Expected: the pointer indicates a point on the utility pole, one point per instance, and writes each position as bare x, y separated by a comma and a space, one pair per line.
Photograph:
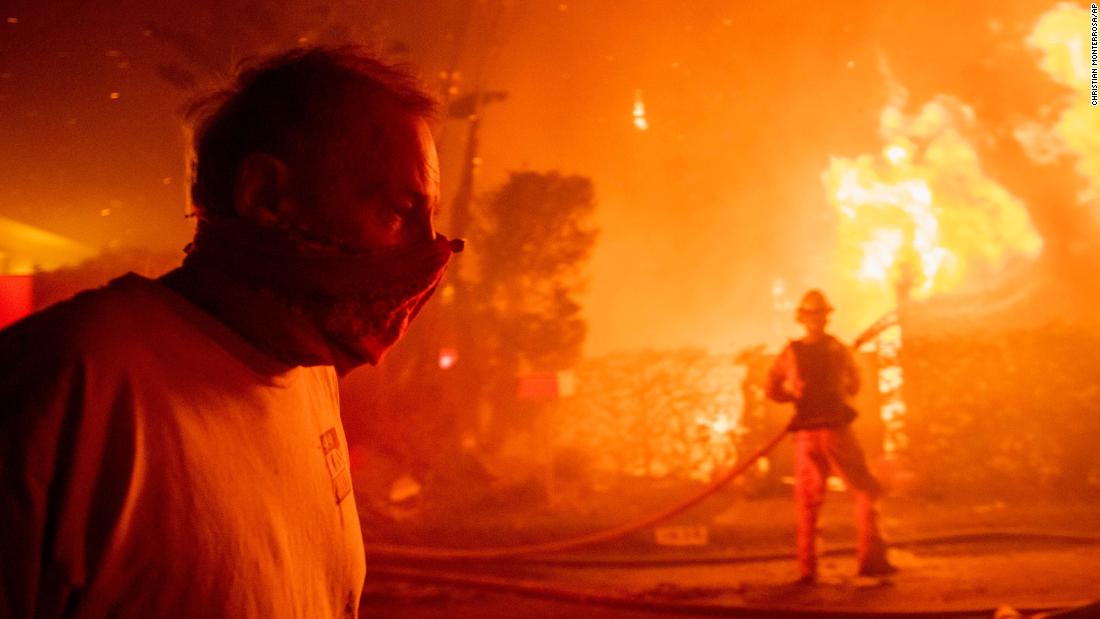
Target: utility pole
465, 383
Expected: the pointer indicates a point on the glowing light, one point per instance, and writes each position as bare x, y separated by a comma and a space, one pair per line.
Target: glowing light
896, 154
114, 96
720, 424
781, 302
447, 294
763, 465
640, 121
403, 489
448, 357
879, 253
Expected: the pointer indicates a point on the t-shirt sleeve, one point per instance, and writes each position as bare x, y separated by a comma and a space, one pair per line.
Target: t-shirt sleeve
41, 390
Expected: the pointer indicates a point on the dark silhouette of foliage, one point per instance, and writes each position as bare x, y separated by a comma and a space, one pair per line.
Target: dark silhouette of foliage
532, 242
516, 302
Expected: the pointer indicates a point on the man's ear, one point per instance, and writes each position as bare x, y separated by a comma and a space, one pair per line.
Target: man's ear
262, 189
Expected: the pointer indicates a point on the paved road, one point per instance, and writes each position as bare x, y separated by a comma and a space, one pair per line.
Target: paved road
1024, 574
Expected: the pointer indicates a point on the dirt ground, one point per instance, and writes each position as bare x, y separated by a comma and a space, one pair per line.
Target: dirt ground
953, 557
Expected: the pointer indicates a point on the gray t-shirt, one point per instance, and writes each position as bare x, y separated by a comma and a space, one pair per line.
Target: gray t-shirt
155, 464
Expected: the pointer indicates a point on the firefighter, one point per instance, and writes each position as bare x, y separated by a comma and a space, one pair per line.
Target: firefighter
818, 374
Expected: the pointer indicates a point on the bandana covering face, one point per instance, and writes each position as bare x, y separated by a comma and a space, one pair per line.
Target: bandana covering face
361, 301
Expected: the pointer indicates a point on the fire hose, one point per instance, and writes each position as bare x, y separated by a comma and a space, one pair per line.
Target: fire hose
386, 551
517, 586
539, 589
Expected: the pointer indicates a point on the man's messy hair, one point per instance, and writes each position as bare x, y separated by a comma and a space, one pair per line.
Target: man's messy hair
283, 104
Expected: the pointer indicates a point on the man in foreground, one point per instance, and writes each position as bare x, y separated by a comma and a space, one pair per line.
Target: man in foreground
173, 447
817, 373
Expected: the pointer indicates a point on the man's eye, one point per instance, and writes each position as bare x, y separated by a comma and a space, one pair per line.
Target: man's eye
400, 213
393, 216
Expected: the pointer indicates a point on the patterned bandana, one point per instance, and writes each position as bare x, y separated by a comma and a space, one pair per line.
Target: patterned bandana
362, 301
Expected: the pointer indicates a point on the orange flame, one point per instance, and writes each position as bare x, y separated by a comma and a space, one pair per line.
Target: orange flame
921, 210
640, 122
1062, 37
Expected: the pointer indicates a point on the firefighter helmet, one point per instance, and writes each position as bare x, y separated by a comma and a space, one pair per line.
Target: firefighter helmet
814, 302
